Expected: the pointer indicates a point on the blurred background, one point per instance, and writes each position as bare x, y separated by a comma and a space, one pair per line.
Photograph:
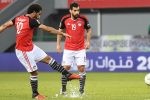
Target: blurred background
120, 33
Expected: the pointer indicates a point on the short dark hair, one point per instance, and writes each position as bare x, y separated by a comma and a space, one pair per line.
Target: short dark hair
34, 8
74, 4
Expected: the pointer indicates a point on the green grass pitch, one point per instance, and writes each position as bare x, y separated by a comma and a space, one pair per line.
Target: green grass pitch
99, 86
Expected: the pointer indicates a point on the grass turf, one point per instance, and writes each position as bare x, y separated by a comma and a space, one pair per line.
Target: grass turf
99, 86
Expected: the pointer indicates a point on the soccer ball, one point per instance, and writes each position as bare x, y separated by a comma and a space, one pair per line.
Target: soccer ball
147, 79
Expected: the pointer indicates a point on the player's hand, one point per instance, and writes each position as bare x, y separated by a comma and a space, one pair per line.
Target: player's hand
59, 50
66, 35
87, 45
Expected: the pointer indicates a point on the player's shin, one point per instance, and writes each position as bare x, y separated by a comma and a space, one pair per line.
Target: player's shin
34, 85
58, 67
64, 83
82, 82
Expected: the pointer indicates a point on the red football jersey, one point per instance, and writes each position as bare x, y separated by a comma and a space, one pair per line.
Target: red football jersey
75, 28
25, 28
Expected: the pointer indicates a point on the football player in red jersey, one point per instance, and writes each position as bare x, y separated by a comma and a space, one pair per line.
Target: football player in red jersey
27, 52
75, 47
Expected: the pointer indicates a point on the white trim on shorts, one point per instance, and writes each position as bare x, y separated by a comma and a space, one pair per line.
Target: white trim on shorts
29, 58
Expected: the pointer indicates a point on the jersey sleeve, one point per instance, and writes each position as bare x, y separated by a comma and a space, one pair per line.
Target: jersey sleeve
87, 24
13, 20
62, 24
34, 23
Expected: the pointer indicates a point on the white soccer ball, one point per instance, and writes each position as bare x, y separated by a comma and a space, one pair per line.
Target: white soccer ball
147, 79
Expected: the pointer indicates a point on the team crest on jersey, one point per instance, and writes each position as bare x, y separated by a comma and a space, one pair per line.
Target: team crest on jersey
79, 23
68, 24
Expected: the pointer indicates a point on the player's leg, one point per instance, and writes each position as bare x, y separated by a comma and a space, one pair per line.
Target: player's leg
64, 81
34, 83
27, 60
40, 55
82, 74
56, 66
80, 59
34, 86
66, 62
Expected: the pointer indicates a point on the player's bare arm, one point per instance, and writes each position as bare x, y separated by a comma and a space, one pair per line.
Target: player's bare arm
53, 30
59, 37
6, 25
88, 38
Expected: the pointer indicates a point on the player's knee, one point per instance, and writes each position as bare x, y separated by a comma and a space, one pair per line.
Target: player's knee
67, 67
81, 69
46, 59
34, 73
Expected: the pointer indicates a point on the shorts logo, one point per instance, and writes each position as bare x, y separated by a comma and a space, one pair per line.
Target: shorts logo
34, 67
